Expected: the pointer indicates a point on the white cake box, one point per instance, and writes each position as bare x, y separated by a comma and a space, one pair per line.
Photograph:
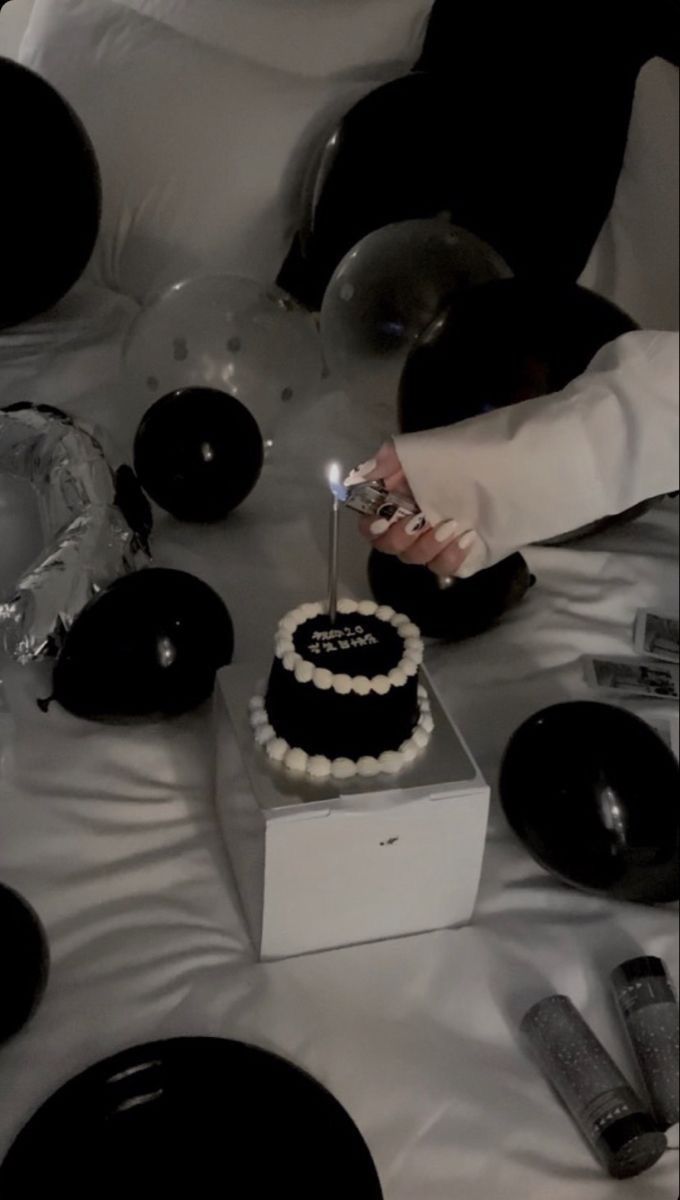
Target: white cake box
324, 865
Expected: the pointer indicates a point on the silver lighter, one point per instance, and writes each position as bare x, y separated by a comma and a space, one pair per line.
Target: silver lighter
374, 500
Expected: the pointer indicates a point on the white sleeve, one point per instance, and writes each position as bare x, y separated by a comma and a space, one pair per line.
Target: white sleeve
541, 468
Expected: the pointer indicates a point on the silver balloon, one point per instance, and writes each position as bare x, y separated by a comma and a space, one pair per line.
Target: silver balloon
85, 541
387, 291
21, 534
236, 335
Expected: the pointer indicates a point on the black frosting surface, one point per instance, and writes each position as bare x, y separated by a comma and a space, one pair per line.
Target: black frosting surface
324, 722
351, 645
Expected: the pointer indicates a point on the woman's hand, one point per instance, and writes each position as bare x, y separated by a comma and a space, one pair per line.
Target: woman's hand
448, 549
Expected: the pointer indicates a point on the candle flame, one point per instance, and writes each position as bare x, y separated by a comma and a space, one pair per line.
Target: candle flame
334, 474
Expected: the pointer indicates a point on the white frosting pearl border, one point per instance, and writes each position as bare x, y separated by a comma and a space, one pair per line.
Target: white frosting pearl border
307, 672
316, 767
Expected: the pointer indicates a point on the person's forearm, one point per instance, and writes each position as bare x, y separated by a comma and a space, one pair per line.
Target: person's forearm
538, 469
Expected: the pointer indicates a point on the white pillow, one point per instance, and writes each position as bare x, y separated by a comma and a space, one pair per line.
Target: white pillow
204, 117
635, 260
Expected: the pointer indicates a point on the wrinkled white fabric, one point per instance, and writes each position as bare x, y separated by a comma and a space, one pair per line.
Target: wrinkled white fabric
541, 468
302, 37
207, 117
635, 259
112, 834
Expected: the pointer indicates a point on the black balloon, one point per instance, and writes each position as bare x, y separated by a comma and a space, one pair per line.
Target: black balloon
198, 453
502, 342
192, 1117
50, 199
592, 791
466, 608
25, 962
385, 163
150, 644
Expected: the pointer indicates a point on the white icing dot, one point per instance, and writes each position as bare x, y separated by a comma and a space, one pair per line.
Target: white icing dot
323, 679
400, 619
422, 693
426, 722
296, 760
361, 685
319, 767
409, 667
258, 717
289, 623
368, 766
413, 643
304, 672
408, 751
277, 749
391, 762
415, 656
421, 738
343, 768
385, 613
264, 734
291, 660
342, 684
254, 703
347, 606
381, 685
367, 608
284, 646
311, 610
409, 630
397, 677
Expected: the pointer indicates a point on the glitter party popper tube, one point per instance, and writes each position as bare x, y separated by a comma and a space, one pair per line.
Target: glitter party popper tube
600, 1100
649, 1010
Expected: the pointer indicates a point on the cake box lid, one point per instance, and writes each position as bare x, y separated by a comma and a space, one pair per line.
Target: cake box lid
444, 768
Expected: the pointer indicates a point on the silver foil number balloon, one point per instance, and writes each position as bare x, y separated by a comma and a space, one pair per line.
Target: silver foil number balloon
387, 291
86, 540
227, 333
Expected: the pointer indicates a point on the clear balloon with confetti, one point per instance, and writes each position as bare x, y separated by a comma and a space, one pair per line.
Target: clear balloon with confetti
236, 335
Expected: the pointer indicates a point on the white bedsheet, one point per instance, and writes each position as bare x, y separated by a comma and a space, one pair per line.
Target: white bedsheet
112, 835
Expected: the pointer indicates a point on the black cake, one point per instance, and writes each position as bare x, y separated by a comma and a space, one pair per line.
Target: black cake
343, 697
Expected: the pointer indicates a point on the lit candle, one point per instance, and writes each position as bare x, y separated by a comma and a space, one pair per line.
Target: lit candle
335, 484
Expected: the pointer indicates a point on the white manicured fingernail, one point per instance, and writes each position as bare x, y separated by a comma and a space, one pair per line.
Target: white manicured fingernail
446, 531
475, 559
367, 468
361, 474
468, 539
416, 525
379, 527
